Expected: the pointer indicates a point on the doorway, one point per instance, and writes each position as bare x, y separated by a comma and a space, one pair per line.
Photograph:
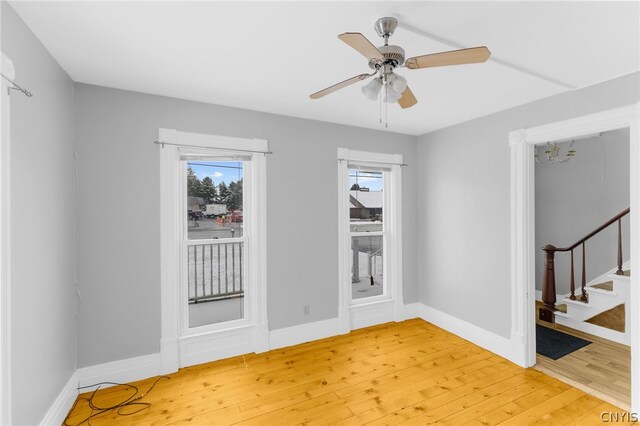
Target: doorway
581, 219
523, 225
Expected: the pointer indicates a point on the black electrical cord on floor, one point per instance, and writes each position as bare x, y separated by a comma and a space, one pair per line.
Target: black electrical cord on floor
121, 407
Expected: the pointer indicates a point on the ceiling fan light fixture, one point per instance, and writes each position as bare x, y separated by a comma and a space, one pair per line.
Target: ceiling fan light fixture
398, 83
390, 95
371, 89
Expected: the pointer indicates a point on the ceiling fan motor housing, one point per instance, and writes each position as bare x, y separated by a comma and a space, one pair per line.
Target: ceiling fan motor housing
392, 55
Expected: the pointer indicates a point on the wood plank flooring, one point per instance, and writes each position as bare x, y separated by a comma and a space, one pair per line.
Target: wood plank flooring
410, 372
602, 368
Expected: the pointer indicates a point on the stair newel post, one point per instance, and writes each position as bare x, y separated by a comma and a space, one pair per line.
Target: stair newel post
573, 280
584, 298
619, 271
548, 285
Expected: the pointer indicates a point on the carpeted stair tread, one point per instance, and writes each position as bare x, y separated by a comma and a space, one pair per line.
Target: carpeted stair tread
608, 286
562, 308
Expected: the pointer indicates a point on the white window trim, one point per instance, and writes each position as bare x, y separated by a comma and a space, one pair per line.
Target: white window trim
178, 348
390, 307
523, 348
5, 247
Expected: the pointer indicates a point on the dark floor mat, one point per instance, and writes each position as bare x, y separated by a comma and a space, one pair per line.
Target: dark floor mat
555, 344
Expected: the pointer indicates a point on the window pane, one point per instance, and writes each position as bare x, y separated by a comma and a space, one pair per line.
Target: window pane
216, 282
366, 204
365, 200
215, 271
366, 270
214, 199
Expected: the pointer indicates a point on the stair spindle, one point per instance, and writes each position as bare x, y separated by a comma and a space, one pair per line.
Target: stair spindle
620, 271
584, 275
573, 280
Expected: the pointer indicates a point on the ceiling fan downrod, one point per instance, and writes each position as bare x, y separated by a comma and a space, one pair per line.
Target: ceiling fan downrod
393, 55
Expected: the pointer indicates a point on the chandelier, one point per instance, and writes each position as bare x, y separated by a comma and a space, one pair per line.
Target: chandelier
552, 154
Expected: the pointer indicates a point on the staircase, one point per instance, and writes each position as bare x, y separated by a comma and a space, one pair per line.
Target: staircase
603, 293
597, 296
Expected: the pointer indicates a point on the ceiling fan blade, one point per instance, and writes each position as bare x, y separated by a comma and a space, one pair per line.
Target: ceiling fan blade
454, 57
362, 45
407, 100
339, 86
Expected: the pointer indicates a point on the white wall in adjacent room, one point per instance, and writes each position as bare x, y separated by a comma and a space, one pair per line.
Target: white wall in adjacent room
574, 198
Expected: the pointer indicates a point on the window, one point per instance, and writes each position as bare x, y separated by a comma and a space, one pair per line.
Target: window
370, 242
215, 243
367, 232
213, 247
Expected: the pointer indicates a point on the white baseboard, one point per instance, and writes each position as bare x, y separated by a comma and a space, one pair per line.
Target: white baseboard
303, 333
123, 371
481, 337
63, 403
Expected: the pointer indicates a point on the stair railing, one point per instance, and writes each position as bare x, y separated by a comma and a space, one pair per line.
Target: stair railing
549, 279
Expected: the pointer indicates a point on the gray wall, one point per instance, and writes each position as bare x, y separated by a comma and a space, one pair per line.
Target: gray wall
43, 256
464, 203
119, 197
574, 198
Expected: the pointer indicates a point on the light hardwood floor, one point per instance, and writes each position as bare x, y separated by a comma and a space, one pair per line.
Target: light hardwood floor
411, 372
602, 368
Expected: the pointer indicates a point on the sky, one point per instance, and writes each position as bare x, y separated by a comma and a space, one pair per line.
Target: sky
220, 171
371, 180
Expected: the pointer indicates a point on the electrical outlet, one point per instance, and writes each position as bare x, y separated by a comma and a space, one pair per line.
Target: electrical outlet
306, 309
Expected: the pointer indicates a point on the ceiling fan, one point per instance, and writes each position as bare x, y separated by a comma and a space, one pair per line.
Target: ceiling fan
385, 59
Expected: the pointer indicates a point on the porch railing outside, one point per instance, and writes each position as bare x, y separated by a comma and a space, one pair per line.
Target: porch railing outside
370, 247
215, 269
375, 263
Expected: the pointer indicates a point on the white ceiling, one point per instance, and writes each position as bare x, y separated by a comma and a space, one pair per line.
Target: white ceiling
269, 56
